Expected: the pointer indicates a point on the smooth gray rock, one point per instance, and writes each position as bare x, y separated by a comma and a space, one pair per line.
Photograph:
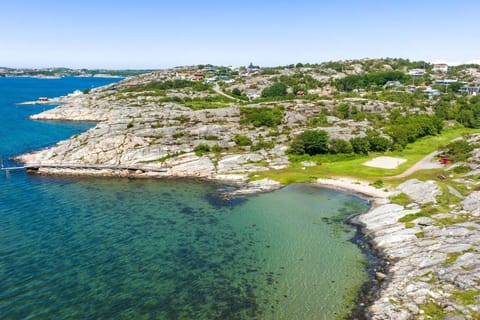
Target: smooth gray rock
420, 191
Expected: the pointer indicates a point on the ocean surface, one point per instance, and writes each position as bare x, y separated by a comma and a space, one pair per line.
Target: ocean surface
98, 248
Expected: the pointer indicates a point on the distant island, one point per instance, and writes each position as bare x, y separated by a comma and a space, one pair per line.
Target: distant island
404, 133
55, 73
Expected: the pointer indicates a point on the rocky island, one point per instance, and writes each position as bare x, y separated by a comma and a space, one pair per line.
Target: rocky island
262, 128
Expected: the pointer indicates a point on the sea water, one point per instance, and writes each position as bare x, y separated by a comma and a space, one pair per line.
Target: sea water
101, 248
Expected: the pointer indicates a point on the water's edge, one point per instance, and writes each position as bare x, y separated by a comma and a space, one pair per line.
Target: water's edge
376, 261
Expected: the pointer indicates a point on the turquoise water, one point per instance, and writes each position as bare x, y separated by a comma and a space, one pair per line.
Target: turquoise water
84, 248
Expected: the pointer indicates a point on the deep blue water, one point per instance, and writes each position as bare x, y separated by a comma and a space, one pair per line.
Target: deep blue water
90, 248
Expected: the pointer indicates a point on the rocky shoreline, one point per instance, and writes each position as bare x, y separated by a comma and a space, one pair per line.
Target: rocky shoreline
430, 247
405, 266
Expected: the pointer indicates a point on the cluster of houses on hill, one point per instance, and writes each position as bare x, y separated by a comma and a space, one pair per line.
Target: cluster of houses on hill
438, 69
211, 74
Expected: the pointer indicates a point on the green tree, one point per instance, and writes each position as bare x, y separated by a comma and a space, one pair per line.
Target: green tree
236, 92
340, 146
459, 150
378, 144
277, 89
360, 145
312, 141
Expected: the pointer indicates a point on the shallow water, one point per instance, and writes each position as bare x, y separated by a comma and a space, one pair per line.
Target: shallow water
94, 248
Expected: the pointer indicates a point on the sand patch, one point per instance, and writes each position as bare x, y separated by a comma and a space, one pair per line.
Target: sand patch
385, 162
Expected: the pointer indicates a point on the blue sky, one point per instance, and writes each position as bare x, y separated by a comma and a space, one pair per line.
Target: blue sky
158, 34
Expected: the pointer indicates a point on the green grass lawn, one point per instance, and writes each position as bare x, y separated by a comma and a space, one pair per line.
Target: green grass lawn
334, 166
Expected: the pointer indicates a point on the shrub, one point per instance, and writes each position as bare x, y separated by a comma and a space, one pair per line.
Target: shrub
263, 116
216, 148
267, 145
340, 146
360, 145
201, 149
378, 144
297, 147
236, 92
377, 184
409, 129
277, 89
242, 140
459, 150
342, 110
318, 121
461, 169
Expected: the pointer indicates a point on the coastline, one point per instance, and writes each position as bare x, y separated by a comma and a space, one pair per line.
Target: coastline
411, 273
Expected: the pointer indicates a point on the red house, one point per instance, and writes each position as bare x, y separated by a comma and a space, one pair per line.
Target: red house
197, 76
445, 161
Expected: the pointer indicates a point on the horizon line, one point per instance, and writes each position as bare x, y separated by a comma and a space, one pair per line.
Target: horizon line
437, 61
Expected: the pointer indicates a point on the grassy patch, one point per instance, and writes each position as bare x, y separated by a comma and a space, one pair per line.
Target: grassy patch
289, 175
433, 310
377, 184
409, 225
452, 257
420, 234
401, 199
466, 297
432, 279
427, 212
353, 166
450, 221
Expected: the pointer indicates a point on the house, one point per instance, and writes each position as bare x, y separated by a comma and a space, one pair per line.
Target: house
440, 67
182, 75
244, 73
411, 89
431, 92
393, 84
417, 72
252, 67
445, 82
445, 161
211, 80
252, 95
300, 93
211, 69
470, 90
197, 76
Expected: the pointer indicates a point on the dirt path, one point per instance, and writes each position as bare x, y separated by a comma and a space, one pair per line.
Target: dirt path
425, 163
217, 89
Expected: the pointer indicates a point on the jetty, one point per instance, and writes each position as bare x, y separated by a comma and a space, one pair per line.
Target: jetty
75, 166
